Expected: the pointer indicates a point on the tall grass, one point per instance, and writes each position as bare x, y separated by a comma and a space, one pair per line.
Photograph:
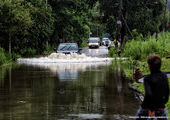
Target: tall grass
140, 49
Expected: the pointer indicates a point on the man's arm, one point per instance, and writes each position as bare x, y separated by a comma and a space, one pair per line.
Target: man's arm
137, 75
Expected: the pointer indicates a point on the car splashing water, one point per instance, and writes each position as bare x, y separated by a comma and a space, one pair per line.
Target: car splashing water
65, 87
65, 58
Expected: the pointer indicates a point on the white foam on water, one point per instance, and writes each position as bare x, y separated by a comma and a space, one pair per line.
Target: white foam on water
97, 116
64, 58
66, 66
87, 116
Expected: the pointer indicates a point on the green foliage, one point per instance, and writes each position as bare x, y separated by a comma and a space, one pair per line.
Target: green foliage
71, 20
2, 56
144, 16
136, 35
25, 23
138, 50
48, 50
43, 25
34, 24
14, 23
113, 52
7, 57
28, 52
84, 43
15, 56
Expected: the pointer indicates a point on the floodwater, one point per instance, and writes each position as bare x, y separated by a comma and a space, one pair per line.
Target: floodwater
65, 91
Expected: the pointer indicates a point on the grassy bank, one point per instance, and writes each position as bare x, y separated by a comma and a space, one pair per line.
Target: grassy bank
140, 48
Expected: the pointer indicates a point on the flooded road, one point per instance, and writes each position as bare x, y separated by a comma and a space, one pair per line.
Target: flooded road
66, 87
64, 92
102, 51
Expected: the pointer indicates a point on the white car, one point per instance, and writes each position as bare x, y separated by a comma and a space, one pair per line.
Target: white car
111, 44
94, 42
106, 41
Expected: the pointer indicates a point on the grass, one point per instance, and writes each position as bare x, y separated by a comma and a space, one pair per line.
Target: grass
139, 49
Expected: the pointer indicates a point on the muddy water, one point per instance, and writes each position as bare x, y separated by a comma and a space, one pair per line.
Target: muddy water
64, 92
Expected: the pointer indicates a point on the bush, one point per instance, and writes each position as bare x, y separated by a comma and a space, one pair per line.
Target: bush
28, 52
48, 49
138, 49
84, 43
113, 52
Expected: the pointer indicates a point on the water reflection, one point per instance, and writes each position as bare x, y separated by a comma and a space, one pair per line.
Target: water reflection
37, 91
68, 71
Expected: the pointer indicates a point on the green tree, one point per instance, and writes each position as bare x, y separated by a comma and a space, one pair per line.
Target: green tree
43, 25
14, 23
71, 20
144, 16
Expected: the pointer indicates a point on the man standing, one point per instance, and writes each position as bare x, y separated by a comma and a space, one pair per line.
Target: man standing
156, 91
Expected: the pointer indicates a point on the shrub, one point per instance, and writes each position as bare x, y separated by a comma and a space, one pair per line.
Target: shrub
113, 52
28, 52
48, 49
84, 43
138, 49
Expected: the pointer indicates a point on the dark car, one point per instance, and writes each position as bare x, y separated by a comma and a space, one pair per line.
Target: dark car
68, 48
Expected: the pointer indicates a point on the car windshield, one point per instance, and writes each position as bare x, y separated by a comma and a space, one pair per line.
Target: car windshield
105, 39
93, 41
67, 47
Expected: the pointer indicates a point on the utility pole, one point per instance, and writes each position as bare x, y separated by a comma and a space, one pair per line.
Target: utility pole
164, 24
46, 1
119, 24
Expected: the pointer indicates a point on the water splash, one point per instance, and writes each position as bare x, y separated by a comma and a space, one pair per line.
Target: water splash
64, 58
88, 116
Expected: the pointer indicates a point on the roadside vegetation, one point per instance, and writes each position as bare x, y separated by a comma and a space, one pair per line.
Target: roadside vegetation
35, 27
6, 58
140, 48
137, 51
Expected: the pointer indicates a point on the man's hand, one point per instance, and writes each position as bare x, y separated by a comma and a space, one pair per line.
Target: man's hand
137, 75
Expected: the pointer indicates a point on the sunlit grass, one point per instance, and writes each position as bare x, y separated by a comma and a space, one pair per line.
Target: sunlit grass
139, 49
